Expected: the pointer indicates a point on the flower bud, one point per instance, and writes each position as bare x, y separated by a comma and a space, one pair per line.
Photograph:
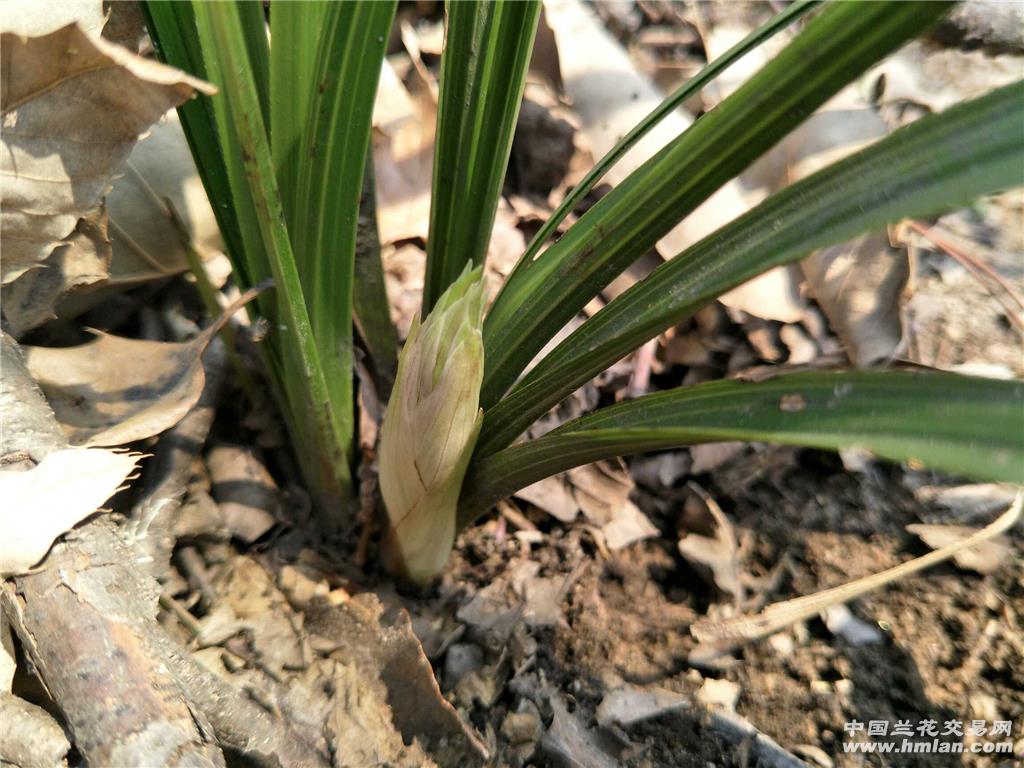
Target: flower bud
430, 427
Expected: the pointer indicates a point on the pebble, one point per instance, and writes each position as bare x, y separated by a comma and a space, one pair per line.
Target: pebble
519, 727
461, 659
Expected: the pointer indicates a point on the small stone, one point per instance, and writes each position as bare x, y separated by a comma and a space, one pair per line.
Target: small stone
722, 694
821, 688
461, 659
782, 643
814, 755
844, 688
520, 727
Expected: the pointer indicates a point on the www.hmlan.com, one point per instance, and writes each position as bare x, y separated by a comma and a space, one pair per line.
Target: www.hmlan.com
935, 746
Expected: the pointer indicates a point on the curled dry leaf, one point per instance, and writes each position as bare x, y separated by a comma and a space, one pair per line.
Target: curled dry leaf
43, 502
146, 243
983, 558
30, 18
114, 390
73, 106
83, 260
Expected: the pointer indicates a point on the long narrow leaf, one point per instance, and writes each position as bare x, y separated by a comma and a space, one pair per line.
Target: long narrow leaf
838, 45
936, 163
295, 28
172, 29
254, 32
330, 162
672, 102
954, 423
483, 70
319, 430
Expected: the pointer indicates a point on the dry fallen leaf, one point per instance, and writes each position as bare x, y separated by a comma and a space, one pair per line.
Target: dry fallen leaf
632, 704
551, 495
571, 743
83, 260
718, 555
403, 156
43, 502
382, 647
114, 390
244, 490
73, 106
984, 558
146, 243
30, 18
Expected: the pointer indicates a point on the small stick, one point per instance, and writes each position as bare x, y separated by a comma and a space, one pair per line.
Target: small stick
723, 635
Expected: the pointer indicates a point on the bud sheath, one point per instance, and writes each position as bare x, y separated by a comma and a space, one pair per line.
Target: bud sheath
430, 427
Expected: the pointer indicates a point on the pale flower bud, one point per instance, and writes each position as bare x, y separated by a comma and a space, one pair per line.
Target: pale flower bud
430, 428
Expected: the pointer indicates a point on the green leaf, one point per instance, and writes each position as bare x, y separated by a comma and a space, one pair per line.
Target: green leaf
172, 28
295, 28
254, 31
674, 100
331, 156
939, 162
953, 423
322, 434
483, 70
836, 47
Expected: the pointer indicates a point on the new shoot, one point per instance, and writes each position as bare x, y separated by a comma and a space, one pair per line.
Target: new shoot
430, 429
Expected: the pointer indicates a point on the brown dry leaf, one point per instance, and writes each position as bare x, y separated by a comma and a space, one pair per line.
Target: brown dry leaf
7, 660
403, 279
359, 726
602, 491
967, 501
73, 107
984, 558
774, 295
244, 490
611, 96
403, 156
146, 243
253, 597
43, 502
938, 78
30, 18
631, 704
859, 286
709, 456
570, 742
115, 390
552, 495
83, 260
385, 648
719, 555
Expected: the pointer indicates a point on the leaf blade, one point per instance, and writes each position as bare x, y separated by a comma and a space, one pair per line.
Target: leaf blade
691, 87
835, 47
483, 71
323, 435
936, 163
953, 423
